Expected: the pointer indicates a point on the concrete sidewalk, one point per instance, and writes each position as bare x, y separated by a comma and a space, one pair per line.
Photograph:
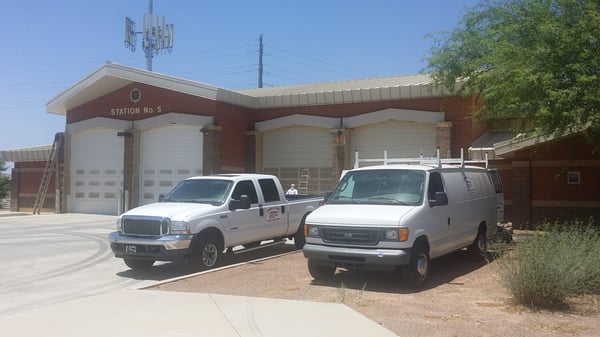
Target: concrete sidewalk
168, 314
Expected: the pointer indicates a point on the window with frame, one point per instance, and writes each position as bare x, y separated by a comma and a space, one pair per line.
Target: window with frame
245, 187
269, 190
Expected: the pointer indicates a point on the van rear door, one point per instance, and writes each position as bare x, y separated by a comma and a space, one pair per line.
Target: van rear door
495, 177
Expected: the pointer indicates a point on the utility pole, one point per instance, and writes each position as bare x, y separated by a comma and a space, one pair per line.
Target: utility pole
260, 62
156, 36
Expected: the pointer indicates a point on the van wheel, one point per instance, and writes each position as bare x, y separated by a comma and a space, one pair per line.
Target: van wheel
478, 248
137, 264
207, 254
417, 270
320, 272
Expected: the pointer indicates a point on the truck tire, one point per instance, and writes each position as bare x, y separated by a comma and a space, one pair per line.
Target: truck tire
478, 248
137, 264
320, 272
208, 253
416, 272
299, 239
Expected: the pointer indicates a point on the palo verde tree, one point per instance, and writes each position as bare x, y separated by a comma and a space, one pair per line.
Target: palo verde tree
535, 63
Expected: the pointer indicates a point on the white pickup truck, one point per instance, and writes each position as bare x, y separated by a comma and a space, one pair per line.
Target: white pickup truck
204, 216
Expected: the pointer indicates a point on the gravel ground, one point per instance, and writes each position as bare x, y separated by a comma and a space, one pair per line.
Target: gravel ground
463, 298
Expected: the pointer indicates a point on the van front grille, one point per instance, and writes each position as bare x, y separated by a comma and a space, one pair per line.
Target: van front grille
356, 236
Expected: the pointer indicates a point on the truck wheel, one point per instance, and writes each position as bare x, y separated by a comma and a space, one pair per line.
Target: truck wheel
478, 248
207, 254
319, 272
299, 239
137, 264
417, 270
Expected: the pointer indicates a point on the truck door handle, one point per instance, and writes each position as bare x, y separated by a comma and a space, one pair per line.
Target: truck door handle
261, 211
448, 221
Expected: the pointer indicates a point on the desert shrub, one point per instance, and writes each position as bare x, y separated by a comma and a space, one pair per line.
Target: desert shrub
558, 262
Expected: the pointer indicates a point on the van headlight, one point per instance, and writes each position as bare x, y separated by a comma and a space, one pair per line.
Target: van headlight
396, 234
179, 227
312, 231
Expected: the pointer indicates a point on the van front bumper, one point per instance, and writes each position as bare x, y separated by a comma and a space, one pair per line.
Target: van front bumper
357, 258
161, 248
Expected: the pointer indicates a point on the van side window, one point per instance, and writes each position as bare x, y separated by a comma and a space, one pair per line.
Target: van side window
496, 180
245, 187
435, 185
269, 190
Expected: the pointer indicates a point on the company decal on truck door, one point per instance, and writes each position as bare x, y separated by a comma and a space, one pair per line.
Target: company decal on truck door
273, 214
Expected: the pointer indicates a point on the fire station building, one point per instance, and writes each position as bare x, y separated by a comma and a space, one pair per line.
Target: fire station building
131, 135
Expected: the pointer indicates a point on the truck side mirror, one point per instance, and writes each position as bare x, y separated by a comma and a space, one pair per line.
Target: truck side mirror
327, 196
161, 197
441, 199
243, 203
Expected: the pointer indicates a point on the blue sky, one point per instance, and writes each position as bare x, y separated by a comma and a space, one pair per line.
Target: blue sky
50, 45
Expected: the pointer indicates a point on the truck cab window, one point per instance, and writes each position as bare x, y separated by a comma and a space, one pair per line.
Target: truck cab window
245, 187
435, 185
269, 190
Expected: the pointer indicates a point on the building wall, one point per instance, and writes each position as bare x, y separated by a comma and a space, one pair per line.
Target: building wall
457, 110
539, 189
25, 184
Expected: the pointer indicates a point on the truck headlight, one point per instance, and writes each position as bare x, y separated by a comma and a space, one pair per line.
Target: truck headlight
119, 224
179, 227
397, 234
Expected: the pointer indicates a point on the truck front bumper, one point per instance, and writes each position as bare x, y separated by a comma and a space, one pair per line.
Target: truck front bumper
356, 258
158, 248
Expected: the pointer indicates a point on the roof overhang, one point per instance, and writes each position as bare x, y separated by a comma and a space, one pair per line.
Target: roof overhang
110, 77
36, 153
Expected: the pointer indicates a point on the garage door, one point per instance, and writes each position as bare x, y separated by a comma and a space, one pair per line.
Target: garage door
96, 171
400, 139
168, 155
293, 152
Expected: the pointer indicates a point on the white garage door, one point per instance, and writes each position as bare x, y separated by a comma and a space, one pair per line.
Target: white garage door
168, 155
96, 171
400, 139
293, 152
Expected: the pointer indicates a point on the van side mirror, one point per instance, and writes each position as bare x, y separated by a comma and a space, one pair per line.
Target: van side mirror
243, 203
441, 199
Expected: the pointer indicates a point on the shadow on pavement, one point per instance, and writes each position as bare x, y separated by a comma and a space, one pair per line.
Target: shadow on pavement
443, 270
164, 270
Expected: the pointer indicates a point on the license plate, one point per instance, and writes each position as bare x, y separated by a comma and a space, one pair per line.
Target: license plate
130, 249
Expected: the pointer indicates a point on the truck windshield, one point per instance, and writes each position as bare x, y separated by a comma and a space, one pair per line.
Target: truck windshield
207, 191
380, 187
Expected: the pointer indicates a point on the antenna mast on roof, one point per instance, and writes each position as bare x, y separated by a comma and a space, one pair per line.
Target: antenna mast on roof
157, 36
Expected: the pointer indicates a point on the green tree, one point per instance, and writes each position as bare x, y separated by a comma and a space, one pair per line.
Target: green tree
532, 63
4, 181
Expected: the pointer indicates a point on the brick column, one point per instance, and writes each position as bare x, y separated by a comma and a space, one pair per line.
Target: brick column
211, 153
251, 151
443, 138
521, 194
128, 159
339, 151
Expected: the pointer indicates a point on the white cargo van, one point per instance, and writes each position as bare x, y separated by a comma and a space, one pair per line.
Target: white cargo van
402, 215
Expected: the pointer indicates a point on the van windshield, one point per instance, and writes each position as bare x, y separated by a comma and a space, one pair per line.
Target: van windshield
380, 187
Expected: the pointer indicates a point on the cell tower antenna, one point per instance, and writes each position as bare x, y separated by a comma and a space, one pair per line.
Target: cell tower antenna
157, 36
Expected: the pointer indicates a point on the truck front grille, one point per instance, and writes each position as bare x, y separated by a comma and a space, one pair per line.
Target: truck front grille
357, 236
148, 226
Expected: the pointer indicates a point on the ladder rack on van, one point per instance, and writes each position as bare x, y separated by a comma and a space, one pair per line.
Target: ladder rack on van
437, 161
